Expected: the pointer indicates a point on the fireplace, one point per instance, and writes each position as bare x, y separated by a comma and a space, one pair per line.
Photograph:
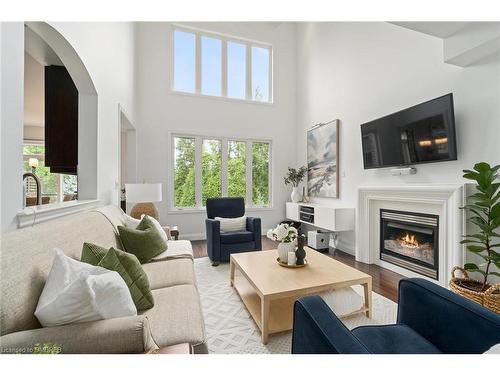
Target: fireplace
410, 240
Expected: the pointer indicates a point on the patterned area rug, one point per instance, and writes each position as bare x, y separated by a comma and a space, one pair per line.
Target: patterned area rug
231, 330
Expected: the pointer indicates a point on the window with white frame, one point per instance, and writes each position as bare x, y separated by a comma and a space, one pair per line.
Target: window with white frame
220, 65
211, 167
55, 187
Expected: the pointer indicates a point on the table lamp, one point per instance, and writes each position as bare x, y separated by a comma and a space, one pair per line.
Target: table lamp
144, 195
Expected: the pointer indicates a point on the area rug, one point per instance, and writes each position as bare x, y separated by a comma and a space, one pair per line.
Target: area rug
231, 330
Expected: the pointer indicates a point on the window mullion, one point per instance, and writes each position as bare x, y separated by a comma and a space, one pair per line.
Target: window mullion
198, 64
198, 171
224, 68
270, 76
248, 93
248, 174
224, 165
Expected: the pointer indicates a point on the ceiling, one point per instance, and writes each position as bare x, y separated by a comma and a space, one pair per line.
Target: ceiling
438, 29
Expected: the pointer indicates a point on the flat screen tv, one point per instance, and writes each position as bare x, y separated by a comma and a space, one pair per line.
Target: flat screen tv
424, 133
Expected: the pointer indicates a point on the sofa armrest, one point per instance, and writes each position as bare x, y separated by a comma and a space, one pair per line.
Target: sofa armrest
451, 322
213, 239
316, 330
253, 225
129, 334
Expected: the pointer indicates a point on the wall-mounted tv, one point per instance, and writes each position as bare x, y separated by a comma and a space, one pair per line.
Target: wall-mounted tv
424, 133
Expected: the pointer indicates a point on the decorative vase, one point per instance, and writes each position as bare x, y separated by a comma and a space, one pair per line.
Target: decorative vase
300, 253
295, 195
283, 249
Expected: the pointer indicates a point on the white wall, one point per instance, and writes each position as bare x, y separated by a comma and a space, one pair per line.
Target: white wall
34, 95
107, 51
358, 72
161, 111
12, 72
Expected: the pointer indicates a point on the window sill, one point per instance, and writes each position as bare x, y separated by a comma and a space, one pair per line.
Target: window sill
222, 98
177, 211
38, 214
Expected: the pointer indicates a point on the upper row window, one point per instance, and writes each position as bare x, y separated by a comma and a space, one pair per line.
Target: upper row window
222, 66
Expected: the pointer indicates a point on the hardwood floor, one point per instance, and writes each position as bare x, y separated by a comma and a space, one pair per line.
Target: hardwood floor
385, 282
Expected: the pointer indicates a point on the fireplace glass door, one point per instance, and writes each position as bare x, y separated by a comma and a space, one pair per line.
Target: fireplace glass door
410, 240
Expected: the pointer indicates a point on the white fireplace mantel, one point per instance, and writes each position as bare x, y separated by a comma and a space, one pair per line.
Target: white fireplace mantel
443, 200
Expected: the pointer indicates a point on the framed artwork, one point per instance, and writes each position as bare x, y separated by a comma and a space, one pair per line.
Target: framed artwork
322, 160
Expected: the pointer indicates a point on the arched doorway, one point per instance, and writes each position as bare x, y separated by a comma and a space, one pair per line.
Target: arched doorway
87, 106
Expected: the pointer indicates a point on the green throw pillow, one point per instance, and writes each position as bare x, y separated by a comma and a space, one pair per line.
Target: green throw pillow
145, 242
92, 254
129, 268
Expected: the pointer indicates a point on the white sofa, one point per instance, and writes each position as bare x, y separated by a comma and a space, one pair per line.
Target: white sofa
26, 258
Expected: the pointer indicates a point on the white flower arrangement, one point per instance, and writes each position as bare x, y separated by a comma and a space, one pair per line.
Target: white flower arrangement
283, 233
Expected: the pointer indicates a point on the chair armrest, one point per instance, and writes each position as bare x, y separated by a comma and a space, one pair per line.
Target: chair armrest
129, 334
253, 225
451, 322
316, 330
213, 239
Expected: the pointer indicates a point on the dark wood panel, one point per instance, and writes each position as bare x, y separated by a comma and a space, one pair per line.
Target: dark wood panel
61, 121
385, 282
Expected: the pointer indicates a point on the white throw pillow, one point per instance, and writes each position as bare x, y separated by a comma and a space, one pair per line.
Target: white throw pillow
131, 222
343, 301
237, 224
495, 349
79, 292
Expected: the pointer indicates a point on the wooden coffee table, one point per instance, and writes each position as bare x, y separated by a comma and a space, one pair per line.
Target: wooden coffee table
269, 290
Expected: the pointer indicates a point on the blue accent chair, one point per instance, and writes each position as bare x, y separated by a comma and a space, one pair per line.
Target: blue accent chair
431, 319
221, 245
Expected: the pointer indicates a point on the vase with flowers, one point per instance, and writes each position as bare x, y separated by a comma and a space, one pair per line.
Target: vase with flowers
294, 177
287, 235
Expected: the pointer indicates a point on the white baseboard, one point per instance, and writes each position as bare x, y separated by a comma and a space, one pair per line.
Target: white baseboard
346, 246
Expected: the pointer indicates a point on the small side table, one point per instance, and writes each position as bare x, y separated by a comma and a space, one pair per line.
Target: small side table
174, 232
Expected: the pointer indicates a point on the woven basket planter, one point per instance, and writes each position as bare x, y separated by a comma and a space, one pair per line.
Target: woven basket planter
490, 298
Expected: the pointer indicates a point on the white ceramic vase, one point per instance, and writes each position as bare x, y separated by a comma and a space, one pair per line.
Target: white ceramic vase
283, 249
295, 195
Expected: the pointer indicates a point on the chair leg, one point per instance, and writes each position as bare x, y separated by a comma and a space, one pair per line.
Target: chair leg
214, 263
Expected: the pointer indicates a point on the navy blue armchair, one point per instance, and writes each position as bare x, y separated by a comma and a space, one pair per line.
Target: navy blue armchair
431, 319
221, 245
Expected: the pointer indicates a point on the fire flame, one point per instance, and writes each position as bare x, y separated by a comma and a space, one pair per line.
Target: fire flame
409, 241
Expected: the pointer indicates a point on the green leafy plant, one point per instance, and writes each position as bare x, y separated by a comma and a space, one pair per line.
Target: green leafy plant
484, 209
295, 176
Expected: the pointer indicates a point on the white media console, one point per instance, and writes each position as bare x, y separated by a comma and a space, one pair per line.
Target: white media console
335, 219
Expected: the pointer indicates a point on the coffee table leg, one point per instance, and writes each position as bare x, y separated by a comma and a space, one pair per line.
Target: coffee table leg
265, 319
231, 272
368, 298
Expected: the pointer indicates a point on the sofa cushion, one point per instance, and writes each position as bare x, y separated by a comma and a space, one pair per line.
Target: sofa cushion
176, 317
92, 254
176, 249
128, 267
236, 237
236, 224
144, 244
393, 339
169, 273
148, 222
79, 292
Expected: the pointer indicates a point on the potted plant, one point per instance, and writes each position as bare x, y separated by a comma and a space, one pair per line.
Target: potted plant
287, 235
294, 177
484, 213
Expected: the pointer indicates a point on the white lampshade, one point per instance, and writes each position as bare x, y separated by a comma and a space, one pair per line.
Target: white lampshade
33, 162
142, 193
